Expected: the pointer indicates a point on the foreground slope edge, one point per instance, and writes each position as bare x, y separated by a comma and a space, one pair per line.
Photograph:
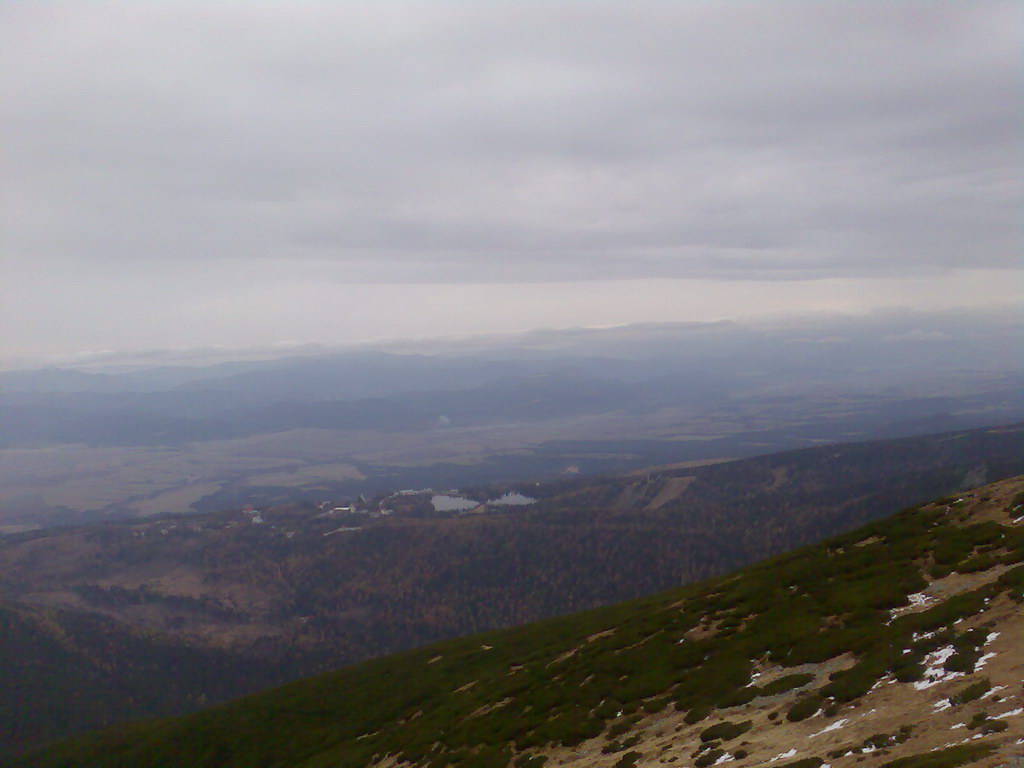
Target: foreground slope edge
897, 644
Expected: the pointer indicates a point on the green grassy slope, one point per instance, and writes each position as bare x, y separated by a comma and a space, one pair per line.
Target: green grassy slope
829, 621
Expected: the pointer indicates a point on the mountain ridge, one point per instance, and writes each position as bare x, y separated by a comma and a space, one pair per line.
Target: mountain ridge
898, 643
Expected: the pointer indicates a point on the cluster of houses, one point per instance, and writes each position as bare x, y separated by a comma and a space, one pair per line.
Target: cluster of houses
330, 509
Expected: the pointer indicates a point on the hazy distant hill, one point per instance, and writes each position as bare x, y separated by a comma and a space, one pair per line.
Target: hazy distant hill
87, 444
875, 350
899, 643
299, 592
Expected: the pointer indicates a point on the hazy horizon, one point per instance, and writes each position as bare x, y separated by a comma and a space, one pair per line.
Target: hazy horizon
911, 326
236, 176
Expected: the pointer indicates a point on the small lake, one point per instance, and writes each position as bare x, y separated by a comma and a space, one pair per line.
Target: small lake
452, 503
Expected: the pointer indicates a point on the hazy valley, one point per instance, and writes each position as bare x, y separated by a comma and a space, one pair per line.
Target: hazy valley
82, 445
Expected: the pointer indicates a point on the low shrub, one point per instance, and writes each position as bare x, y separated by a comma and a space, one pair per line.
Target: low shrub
787, 683
971, 692
708, 758
737, 697
977, 563
804, 708
655, 705
619, 746
697, 713
725, 731
806, 762
951, 757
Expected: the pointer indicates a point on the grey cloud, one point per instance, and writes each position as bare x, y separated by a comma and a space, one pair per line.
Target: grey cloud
236, 174
519, 142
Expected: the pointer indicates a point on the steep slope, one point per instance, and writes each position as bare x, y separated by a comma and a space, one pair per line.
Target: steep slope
67, 671
259, 604
899, 644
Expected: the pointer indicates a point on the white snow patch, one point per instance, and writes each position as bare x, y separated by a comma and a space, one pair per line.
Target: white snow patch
992, 691
941, 705
991, 636
783, 756
833, 727
983, 661
915, 601
934, 673
887, 680
1011, 713
726, 758
958, 725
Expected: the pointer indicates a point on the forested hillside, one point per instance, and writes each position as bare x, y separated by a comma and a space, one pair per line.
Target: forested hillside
65, 670
899, 643
298, 593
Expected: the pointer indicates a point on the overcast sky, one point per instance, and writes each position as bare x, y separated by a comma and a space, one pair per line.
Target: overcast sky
185, 173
